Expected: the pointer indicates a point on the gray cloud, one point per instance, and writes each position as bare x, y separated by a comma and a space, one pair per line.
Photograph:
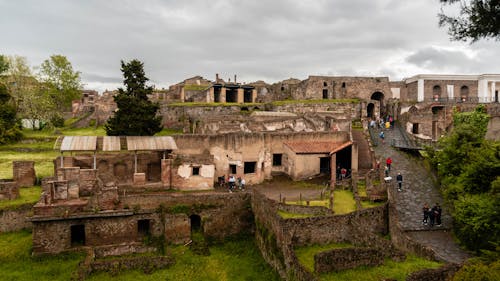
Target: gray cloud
257, 40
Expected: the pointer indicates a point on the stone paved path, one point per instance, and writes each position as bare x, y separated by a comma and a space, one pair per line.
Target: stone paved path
418, 189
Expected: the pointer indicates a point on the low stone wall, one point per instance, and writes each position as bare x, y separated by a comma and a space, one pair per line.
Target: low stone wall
24, 172
347, 258
118, 250
445, 272
276, 236
15, 219
147, 264
306, 210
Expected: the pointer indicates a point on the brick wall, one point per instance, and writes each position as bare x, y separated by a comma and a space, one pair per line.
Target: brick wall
24, 172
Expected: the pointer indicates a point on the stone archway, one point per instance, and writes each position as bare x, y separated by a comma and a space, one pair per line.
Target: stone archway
379, 96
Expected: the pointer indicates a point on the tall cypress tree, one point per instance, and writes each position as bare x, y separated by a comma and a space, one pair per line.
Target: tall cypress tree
136, 115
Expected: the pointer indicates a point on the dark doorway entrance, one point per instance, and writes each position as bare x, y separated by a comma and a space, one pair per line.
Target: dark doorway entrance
247, 95
369, 110
380, 97
77, 235
344, 159
195, 223
217, 93
325, 94
324, 165
154, 172
231, 94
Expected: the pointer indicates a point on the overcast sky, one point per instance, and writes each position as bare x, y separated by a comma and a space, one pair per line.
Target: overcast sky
257, 40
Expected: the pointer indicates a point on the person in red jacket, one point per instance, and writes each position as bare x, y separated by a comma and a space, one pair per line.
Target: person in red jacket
388, 162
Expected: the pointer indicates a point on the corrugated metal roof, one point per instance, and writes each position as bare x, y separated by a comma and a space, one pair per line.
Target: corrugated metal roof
311, 147
111, 144
79, 143
150, 143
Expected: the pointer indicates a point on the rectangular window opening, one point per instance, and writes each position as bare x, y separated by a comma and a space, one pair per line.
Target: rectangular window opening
249, 167
277, 159
196, 171
143, 227
232, 168
77, 235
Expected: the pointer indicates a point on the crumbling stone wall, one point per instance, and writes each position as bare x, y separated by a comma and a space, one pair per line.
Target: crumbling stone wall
347, 258
15, 219
24, 172
342, 87
9, 190
236, 149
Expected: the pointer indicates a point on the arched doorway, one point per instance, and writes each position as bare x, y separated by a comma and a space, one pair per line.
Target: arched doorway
369, 110
379, 96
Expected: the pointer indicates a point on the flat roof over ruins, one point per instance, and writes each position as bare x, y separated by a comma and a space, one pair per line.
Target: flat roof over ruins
313, 147
115, 143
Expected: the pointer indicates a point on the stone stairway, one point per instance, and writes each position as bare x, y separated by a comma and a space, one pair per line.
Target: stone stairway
418, 188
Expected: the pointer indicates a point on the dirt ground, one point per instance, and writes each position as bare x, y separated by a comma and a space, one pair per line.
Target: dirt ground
284, 187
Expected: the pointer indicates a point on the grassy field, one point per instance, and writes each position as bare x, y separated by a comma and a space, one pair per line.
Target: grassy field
344, 202
27, 195
235, 260
17, 264
390, 270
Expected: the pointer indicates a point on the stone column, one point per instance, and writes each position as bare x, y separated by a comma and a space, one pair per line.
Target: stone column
223, 94
254, 95
333, 170
240, 99
183, 95
166, 173
354, 157
211, 95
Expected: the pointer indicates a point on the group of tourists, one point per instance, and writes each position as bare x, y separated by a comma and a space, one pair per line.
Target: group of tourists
234, 183
387, 170
432, 216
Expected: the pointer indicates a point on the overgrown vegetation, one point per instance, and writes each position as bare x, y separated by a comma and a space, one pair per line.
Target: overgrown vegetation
344, 202
468, 167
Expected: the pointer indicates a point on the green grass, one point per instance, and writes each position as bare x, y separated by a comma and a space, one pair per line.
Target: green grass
194, 87
344, 202
43, 162
306, 254
16, 263
362, 188
168, 132
235, 260
389, 270
288, 215
370, 204
28, 195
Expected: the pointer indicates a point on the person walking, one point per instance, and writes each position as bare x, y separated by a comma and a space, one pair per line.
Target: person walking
232, 182
438, 210
382, 136
386, 171
425, 209
243, 182
399, 179
388, 162
432, 216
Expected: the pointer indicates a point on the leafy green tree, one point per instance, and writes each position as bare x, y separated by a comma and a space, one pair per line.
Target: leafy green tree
468, 167
60, 81
476, 220
478, 19
9, 125
136, 114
